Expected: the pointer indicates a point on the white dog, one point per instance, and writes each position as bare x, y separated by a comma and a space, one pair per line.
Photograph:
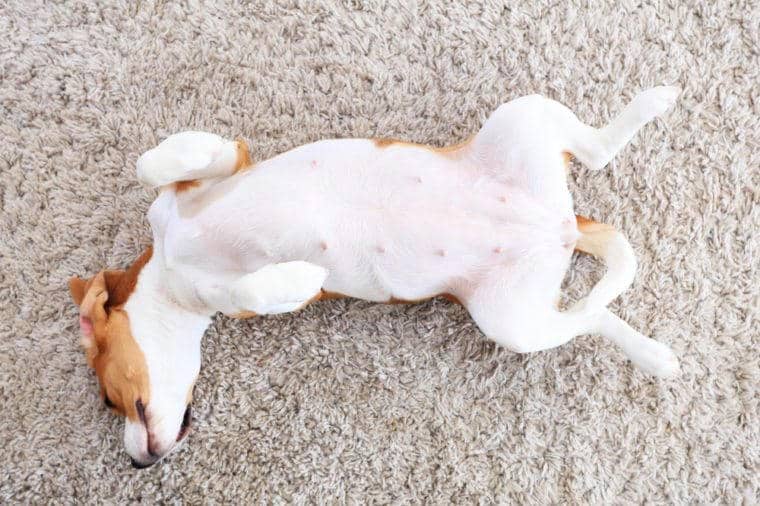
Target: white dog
488, 223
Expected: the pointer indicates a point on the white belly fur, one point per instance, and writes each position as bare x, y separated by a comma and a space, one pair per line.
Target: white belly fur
399, 221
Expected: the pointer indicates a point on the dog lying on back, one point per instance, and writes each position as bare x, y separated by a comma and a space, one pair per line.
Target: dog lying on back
488, 223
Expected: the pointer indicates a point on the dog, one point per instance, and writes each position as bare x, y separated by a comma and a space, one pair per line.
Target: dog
488, 223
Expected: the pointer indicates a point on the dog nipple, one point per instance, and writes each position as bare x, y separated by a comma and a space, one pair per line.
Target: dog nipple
313, 164
440, 252
380, 249
323, 245
497, 250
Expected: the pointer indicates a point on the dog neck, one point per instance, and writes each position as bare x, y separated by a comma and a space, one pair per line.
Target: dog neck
154, 304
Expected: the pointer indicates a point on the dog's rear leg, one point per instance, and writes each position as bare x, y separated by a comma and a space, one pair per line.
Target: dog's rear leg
595, 147
646, 353
191, 156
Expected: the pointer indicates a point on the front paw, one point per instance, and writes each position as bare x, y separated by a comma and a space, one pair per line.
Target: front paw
279, 288
188, 155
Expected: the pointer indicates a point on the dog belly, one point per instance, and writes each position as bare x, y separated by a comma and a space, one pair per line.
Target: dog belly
403, 223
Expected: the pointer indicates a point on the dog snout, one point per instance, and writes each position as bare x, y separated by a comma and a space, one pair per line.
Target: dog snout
142, 465
154, 434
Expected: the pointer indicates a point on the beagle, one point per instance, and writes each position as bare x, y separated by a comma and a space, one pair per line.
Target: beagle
488, 223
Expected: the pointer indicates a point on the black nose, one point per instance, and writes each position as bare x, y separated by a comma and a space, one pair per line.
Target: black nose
140, 465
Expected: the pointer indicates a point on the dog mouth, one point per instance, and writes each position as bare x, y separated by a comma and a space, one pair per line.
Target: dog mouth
187, 418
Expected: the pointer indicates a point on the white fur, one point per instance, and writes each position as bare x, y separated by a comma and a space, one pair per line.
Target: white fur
492, 224
186, 156
278, 288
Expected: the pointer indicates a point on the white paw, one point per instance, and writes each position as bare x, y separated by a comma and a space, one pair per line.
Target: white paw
655, 101
184, 156
278, 288
656, 358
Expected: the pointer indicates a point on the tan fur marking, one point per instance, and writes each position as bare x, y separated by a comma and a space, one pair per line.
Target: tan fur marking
121, 289
112, 350
121, 368
325, 295
594, 236
384, 143
243, 156
181, 186
243, 315
566, 159
446, 150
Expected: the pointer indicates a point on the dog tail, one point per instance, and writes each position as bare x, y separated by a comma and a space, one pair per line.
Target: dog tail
610, 246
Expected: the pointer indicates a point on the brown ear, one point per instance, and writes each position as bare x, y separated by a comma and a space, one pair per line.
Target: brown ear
77, 288
93, 304
92, 296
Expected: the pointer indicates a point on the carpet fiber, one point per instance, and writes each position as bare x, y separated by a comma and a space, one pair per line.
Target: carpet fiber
351, 402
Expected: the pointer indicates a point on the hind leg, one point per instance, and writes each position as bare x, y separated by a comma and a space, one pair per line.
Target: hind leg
595, 147
513, 307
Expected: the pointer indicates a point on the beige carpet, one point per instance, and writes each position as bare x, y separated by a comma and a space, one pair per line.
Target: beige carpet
350, 402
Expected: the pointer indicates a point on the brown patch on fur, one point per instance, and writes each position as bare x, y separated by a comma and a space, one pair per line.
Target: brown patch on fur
594, 236
446, 150
109, 345
243, 156
120, 366
243, 315
120, 289
325, 295
384, 143
566, 159
394, 300
181, 186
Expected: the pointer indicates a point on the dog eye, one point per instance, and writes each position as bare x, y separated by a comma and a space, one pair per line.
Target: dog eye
108, 402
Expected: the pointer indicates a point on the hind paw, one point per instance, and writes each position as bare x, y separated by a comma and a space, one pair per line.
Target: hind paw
657, 359
656, 101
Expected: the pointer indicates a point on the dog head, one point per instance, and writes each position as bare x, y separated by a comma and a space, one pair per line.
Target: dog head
146, 357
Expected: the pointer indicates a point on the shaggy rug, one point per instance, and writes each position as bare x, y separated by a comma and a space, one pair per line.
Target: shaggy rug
352, 402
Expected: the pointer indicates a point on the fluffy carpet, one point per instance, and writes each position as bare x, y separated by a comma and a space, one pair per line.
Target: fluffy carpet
350, 402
